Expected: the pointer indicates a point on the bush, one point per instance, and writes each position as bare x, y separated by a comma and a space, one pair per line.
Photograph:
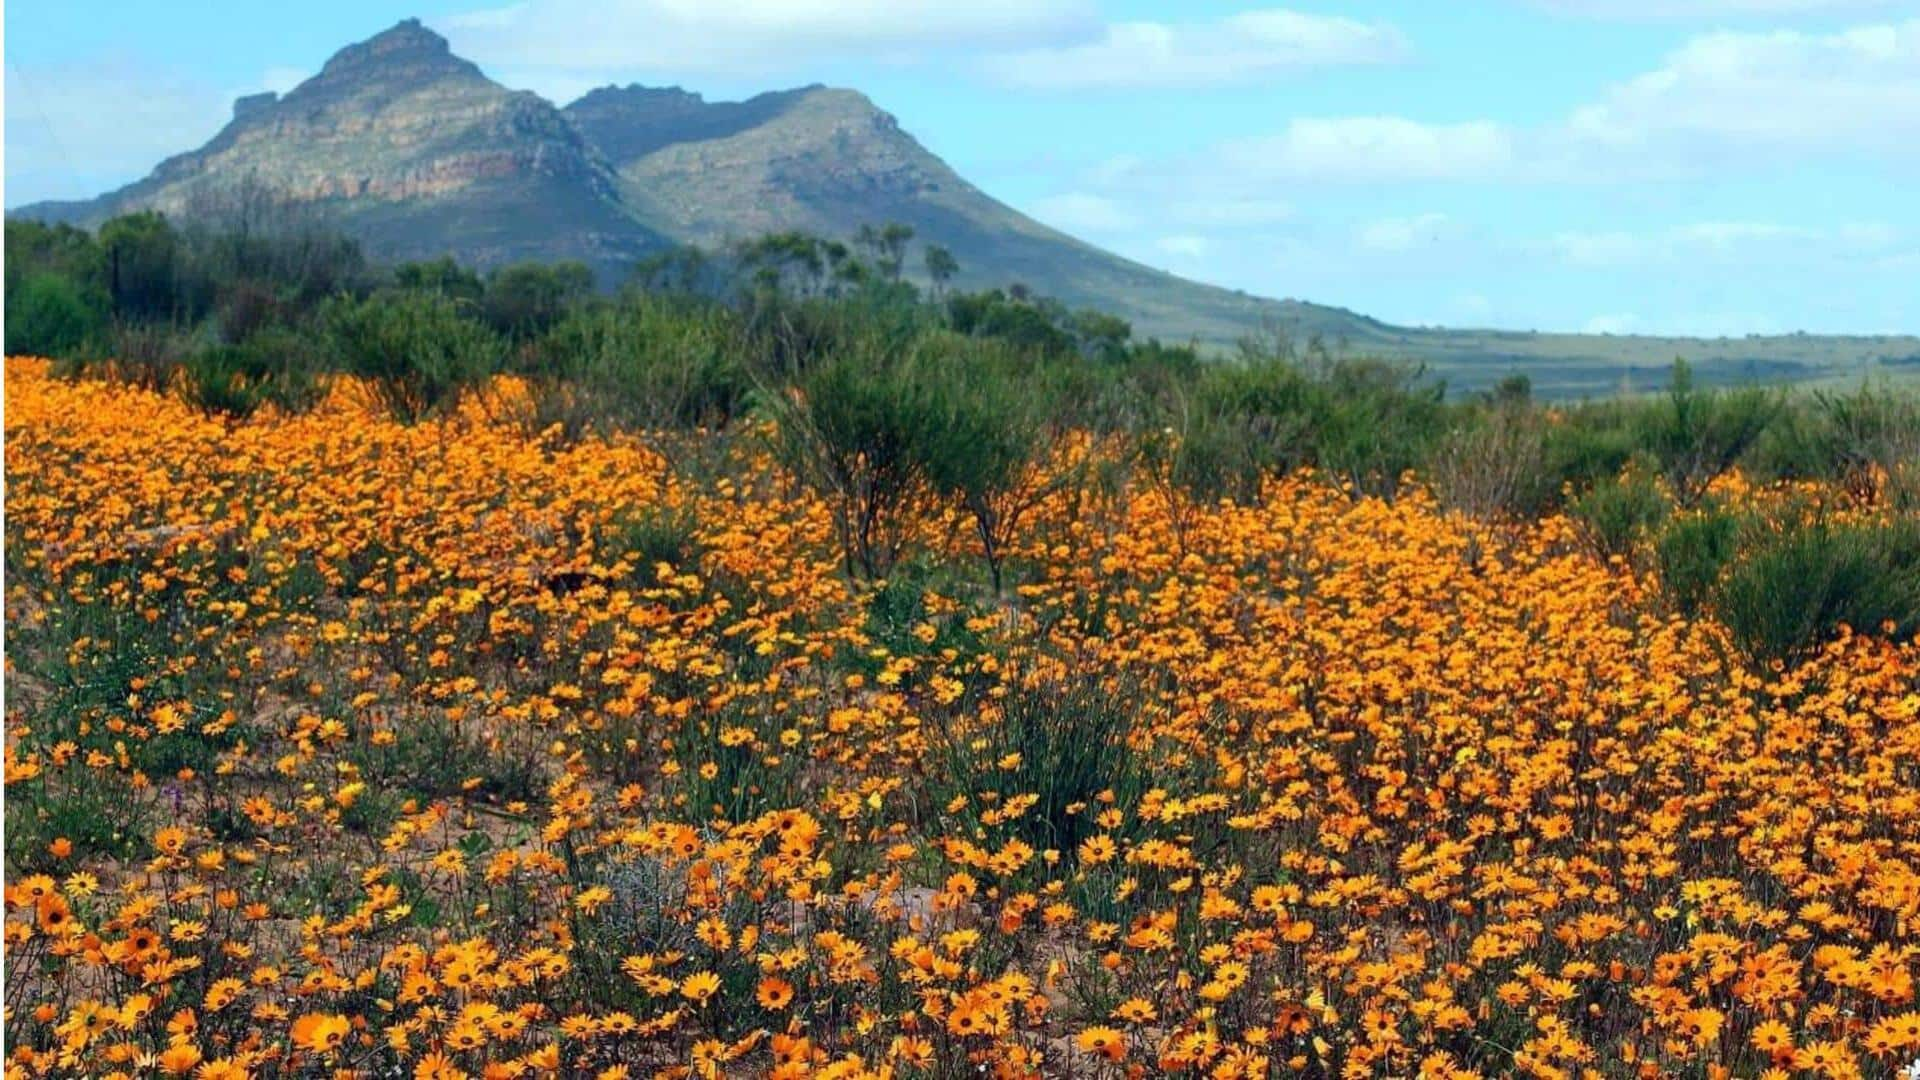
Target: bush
1798, 581
1587, 445
274, 366
1364, 421
642, 363
140, 254
1871, 429
854, 428
51, 315
1616, 514
1691, 552
987, 433
1376, 421
224, 380
1240, 424
418, 351
525, 300
1070, 738
1490, 463
1697, 435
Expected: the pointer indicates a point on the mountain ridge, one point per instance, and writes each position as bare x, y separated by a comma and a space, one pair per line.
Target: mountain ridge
419, 153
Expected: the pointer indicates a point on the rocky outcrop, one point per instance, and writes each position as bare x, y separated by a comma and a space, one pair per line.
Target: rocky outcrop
399, 120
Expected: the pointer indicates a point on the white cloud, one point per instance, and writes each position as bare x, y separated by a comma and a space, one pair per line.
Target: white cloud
1622, 323
1737, 242
1184, 245
548, 39
1080, 210
1597, 248
282, 79
1375, 148
1725, 235
1869, 236
1775, 91
1401, 234
1232, 212
1700, 9
1240, 48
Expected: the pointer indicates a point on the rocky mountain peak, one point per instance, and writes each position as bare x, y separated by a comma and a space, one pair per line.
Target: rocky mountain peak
406, 51
249, 104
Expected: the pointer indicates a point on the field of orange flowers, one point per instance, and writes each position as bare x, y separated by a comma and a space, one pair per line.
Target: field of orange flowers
342, 747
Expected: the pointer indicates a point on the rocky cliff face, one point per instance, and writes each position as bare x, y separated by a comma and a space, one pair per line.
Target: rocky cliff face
397, 127
819, 159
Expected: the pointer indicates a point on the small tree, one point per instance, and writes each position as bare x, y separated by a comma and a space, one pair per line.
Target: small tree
442, 276
855, 428
417, 352
887, 246
1696, 435
984, 446
140, 252
941, 267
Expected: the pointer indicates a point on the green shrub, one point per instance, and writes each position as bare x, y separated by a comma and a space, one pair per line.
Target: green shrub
1797, 581
525, 300
856, 429
417, 351
1240, 424
1616, 514
1587, 445
1873, 428
275, 366
1070, 738
1375, 421
644, 363
987, 432
224, 380
1696, 435
1691, 552
51, 315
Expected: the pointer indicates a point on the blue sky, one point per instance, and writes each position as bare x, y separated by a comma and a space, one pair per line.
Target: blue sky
1685, 166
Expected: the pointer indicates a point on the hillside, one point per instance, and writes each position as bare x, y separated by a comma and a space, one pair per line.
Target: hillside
415, 151
828, 160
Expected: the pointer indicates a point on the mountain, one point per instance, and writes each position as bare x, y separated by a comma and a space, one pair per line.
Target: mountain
412, 149
828, 161
418, 153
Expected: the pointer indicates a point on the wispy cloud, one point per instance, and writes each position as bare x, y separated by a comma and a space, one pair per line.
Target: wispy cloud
1702, 9
1398, 235
1241, 48
1374, 148
1079, 211
1739, 242
1853, 90
583, 39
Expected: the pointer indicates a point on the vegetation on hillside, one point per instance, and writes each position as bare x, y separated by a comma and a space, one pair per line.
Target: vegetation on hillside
770, 668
